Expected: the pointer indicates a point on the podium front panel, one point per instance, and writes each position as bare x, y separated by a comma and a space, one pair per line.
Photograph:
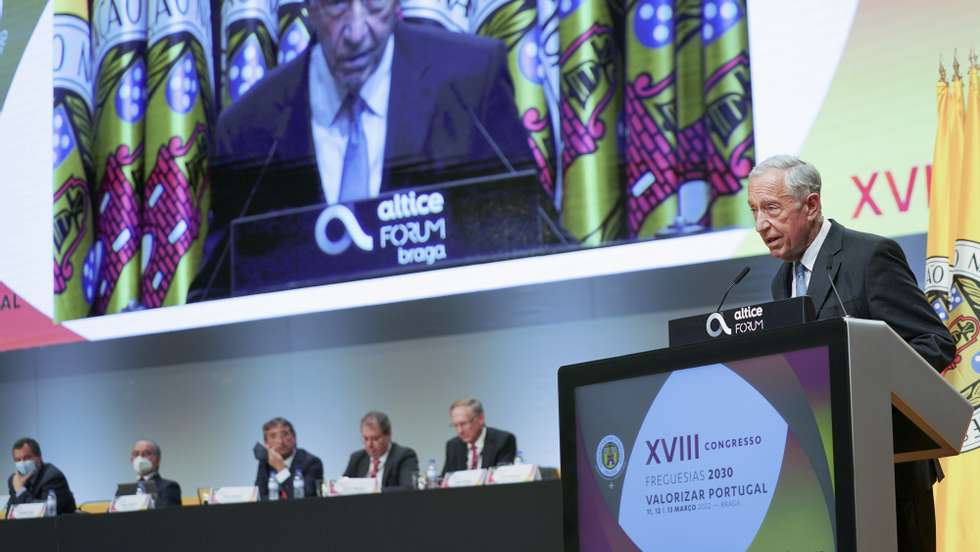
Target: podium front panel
728, 447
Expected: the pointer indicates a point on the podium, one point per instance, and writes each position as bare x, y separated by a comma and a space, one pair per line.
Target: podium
453, 223
782, 439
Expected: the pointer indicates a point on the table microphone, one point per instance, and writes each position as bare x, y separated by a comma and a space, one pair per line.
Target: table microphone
834, 287
741, 275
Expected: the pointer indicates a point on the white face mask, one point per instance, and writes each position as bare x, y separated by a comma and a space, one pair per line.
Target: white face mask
25, 467
142, 466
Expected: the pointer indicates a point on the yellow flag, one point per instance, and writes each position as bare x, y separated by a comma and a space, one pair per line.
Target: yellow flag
958, 496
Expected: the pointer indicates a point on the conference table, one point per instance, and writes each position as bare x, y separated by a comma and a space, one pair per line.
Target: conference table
520, 516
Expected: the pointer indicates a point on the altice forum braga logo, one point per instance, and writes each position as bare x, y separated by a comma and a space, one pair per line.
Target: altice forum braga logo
716, 319
353, 233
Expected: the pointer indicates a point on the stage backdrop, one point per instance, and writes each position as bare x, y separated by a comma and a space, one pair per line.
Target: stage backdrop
643, 119
204, 393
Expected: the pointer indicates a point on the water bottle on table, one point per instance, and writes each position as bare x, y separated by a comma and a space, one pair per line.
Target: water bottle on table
299, 486
431, 475
273, 486
51, 504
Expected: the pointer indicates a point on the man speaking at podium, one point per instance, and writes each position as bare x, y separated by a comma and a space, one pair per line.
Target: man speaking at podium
874, 281
374, 105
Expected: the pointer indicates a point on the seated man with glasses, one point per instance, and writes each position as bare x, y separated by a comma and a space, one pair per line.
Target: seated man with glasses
392, 464
476, 445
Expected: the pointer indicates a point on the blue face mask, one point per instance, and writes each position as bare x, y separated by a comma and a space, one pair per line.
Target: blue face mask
25, 467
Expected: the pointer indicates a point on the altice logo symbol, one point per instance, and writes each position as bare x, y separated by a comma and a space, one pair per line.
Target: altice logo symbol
717, 318
352, 231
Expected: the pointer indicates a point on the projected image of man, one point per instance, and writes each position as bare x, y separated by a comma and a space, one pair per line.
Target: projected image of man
375, 105
874, 281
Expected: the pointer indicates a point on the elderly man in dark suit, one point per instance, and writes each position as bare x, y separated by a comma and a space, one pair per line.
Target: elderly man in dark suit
145, 458
381, 457
33, 478
476, 445
874, 281
374, 105
284, 460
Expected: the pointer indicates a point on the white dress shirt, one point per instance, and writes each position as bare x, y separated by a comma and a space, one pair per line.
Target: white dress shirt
283, 474
330, 132
381, 465
810, 255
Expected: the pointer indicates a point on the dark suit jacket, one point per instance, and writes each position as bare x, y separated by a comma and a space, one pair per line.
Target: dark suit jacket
44, 479
309, 465
440, 82
168, 493
875, 282
499, 447
402, 462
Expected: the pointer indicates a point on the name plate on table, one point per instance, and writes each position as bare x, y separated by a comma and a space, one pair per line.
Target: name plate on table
131, 503
740, 321
465, 478
353, 486
27, 511
235, 495
405, 231
517, 473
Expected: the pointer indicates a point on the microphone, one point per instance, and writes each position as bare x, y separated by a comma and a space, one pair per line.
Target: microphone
745, 270
834, 287
277, 136
483, 130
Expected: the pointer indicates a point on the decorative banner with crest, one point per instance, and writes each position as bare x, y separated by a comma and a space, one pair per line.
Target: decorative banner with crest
294, 29
589, 108
248, 44
175, 192
72, 141
515, 23
119, 30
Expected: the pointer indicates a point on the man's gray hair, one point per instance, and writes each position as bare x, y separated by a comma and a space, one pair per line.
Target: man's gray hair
378, 418
472, 403
153, 444
801, 178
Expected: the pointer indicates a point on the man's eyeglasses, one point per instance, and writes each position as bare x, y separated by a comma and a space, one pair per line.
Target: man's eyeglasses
457, 425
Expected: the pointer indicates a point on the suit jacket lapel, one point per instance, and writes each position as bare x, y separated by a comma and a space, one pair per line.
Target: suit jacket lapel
819, 288
489, 450
296, 146
410, 104
390, 463
780, 284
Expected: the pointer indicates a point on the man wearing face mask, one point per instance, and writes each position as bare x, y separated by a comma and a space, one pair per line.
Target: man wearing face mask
374, 105
146, 463
33, 479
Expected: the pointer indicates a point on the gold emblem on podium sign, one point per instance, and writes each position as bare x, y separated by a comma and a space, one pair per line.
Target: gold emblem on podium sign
610, 456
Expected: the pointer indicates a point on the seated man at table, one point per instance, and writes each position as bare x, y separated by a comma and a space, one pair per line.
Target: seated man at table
145, 457
382, 458
476, 445
284, 460
33, 479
